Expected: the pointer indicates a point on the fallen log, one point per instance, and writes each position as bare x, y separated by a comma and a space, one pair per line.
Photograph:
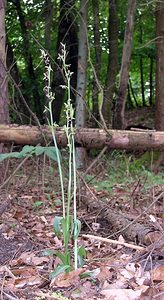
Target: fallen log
84, 137
131, 230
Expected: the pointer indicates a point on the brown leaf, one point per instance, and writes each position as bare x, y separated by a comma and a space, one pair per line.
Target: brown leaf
66, 280
121, 294
30, 281
158, 273
105, 273
29, 259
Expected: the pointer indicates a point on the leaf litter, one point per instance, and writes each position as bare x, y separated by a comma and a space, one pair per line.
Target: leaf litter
111, 271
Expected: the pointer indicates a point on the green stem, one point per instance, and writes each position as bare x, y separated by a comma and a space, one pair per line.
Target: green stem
58, 158
74, 199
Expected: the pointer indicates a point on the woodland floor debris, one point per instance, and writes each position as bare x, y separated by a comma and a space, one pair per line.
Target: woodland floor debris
27, 232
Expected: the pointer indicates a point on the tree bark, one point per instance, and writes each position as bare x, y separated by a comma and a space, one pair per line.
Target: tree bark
4, 113
112, 69
81, 80
159, 116
121, 224
125, 66
48, 16
84, 137
132, 92
141, 65
142, 82
151, 81
97, 66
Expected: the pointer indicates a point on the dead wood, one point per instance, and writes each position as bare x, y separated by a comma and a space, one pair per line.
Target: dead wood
5, 205
105, 240
131, 230
84, 137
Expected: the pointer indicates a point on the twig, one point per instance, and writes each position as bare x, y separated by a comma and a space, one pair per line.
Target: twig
86, 185
137, 218
95, 160
6, 269
105, 240
17, 168
10, 297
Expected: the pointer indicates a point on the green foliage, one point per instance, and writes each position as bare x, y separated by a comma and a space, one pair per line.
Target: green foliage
81, 256
27, 150
60, 269
35, 17
37, 204
124, 169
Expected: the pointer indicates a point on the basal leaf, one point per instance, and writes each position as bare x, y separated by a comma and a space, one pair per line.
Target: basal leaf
60, 269
56, 225
77, 228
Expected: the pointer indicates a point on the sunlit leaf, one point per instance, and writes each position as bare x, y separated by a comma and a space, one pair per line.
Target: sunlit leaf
48, 252
56, 225
60, 269
81, 255
77, 228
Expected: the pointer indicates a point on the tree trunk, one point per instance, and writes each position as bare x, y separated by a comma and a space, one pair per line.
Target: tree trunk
159, 118
130, 103
159, 114
142, 82
141, 65
4, 113
48, 16
29, 63
112, 70
81, 80
85, 137
132, 92
151, 81
97, 66
125, 66
67, 34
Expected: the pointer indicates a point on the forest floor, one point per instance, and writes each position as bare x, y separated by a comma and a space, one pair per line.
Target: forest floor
125, 184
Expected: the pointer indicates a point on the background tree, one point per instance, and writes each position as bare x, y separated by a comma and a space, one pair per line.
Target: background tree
81, 79
125, 67
112, 70
97, 65
46, 23
159, 124
4, 114
48, 12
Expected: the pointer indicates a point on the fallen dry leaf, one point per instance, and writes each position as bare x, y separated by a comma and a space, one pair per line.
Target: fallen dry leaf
158, 273
121, 294
30, 281
24, 272
29, 259
105, 273
66, 280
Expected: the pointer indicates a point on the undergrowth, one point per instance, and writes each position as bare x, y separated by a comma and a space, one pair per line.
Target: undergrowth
125, 169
